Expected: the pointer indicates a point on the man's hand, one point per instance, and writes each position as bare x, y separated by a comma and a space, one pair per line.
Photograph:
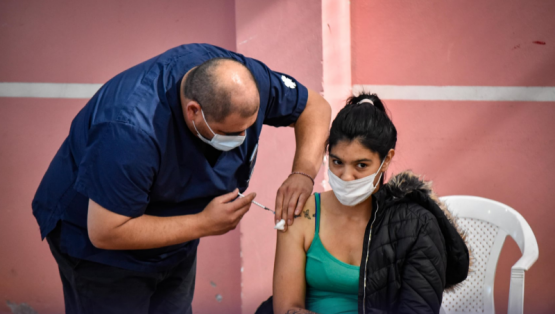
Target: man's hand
224, 212
311, 133
291, 197
111, 231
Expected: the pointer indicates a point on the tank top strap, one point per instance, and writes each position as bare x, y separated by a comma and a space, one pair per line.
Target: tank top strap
317, 213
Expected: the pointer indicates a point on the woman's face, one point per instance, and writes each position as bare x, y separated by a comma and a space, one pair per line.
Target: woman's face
350, 160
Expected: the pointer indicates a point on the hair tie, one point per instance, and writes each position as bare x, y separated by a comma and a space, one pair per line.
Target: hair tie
366, 100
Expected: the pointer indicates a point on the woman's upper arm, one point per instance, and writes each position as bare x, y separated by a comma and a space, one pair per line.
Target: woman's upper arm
289, 269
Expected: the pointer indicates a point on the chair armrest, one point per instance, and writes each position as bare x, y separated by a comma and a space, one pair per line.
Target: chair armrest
516, 292
526, 261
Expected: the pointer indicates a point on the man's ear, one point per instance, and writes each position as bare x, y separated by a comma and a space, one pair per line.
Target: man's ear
192, 109
388, 159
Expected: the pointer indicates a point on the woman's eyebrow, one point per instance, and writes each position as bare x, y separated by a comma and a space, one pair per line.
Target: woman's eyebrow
364, 159
356, 161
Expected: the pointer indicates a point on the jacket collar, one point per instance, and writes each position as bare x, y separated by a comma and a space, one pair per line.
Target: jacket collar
409, 187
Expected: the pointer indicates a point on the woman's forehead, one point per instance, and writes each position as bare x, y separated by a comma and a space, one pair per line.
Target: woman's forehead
352, 150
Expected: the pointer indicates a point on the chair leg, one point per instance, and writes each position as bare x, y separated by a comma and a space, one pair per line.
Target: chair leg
516, 292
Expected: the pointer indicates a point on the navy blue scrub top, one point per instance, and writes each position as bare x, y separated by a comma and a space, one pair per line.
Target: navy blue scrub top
130, 151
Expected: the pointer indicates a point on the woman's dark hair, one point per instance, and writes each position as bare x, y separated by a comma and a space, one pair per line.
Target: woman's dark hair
365, 122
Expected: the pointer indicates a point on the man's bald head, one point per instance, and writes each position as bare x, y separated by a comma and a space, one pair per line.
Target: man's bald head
223, 86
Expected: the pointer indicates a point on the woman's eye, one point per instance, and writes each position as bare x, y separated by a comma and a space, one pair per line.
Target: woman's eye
362, 165
336, 162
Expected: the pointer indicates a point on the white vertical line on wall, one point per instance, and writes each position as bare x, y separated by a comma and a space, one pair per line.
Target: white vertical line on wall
336, 51
461, 93
48, 90
336, 54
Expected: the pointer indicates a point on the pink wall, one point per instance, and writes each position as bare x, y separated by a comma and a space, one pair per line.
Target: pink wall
30, 132
498, 150
474, 43
286, 35
91, 41
87, 42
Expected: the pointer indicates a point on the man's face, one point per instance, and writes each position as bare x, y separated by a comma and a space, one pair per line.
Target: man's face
233, 124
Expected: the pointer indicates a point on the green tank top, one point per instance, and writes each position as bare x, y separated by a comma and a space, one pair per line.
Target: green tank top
331, 285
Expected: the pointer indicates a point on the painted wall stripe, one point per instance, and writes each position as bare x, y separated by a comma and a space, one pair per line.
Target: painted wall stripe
48, 90
455, 93
464, 93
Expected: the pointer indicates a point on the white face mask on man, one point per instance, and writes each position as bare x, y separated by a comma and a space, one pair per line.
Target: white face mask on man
221, 142
351, 193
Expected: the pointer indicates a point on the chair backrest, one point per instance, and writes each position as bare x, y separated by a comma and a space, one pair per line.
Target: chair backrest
487, 224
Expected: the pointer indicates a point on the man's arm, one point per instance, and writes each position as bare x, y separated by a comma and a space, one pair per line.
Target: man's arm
311, 134
112, 231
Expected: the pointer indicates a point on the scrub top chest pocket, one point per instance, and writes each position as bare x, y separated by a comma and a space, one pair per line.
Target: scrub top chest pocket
252, 161
246, 170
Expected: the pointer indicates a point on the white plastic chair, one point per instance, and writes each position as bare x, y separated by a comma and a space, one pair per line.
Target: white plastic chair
487, 223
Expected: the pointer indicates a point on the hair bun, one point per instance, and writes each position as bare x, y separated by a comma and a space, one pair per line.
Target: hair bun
366, 100
369, 98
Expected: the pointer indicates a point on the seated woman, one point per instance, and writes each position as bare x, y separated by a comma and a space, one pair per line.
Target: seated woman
366, 247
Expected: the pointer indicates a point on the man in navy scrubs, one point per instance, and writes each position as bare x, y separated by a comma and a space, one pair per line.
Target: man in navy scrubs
155, 161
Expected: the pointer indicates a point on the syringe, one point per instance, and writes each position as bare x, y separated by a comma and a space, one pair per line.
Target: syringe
257, 203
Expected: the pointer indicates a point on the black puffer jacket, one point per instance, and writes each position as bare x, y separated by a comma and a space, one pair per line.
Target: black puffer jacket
413, 250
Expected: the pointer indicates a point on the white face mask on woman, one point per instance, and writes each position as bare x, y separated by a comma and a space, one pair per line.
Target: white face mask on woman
221, 142
351, 193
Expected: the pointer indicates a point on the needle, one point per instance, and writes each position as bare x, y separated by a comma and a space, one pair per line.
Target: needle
257, 203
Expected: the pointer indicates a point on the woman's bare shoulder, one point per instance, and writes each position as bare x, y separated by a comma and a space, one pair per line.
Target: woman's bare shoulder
302, 229
325, 196
309, 210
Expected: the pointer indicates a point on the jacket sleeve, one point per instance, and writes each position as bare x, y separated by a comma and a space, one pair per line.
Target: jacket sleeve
423, 272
